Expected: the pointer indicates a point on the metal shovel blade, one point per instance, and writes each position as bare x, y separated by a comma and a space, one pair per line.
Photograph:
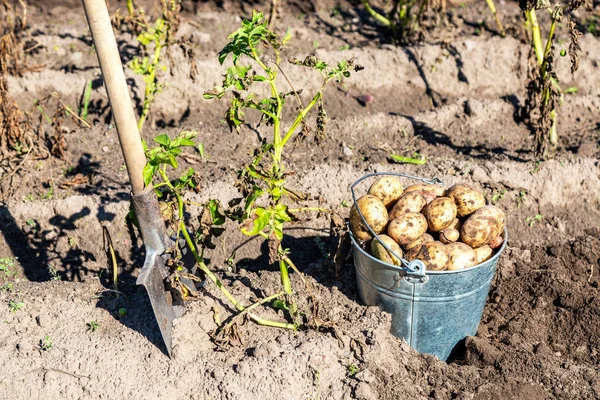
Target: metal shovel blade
154, 272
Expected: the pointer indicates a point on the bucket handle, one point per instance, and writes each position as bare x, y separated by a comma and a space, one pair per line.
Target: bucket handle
413, 270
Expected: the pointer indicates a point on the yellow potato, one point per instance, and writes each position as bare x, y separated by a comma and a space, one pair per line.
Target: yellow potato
496, 242
449, 235
434, 255
482, 226
440, 213
456, 224
382, 253
388, 189
461, 256
409, 202
424, 238
467, 199
375, 214
437, 190
407, 227
482, 254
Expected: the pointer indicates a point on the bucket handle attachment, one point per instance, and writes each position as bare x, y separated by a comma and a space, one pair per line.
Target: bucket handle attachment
414, 271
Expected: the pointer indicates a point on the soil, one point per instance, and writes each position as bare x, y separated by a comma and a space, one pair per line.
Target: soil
454, 98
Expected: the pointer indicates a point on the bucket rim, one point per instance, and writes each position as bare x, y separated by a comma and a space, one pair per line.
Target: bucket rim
429, 272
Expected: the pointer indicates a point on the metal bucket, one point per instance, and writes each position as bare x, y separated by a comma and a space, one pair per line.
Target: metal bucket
432, 310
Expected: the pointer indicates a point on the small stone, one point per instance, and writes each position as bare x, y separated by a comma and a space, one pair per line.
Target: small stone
479, 175
347, 151
105, 149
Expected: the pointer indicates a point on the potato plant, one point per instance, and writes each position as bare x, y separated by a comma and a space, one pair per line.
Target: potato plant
256, 57
160, 158
404, 18
544, 94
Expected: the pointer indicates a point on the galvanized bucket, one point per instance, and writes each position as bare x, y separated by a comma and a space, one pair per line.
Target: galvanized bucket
432, 310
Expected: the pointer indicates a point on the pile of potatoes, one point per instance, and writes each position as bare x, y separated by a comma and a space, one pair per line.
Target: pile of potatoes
448, 229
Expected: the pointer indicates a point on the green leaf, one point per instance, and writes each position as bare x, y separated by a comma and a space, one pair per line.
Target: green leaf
148, 173
201, 149
217, 217
145, 38
260, 223
163, 140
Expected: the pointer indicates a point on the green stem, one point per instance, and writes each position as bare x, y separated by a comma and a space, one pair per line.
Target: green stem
378, 17
287, 287
301, 115
492, 7
151, 87
536, 35
216, 281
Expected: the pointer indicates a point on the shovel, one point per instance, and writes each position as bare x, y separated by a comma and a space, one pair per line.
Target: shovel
156, 240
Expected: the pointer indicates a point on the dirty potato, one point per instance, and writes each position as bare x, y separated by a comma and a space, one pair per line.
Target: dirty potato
456, 224
440, 213
388, 189
467, 199
382, 253
460, 256
496, 242
449, 235
482, 254
407, 227
437, 190
434, 255
482, 226
409, 202
416, 244
375, 214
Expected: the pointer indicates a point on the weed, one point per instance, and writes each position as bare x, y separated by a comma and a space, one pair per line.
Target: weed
265, 177
14, 305
93, 326
544, 94
352, 369
521, 197
46, 343
497, 196
54, 274
7, 286
87, 94
28, 198
532, 220
6, 265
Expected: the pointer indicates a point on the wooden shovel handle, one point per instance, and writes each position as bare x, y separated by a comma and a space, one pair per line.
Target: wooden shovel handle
117, 90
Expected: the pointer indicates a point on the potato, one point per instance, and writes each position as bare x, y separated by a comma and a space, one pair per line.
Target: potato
424, 238
434, 255
407, 227
460, 256
496, 242
409, 202
440, 213
437, 190
482, 254
388, 189
456, 224
482, 226
375, 214
382, 253
449, 235
467, 199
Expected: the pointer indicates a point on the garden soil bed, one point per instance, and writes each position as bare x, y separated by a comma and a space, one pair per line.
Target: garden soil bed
455, 100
